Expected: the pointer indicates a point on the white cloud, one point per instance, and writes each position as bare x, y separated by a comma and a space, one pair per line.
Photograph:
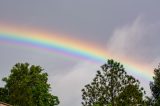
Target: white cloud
125, 38
155, 63
137, 40
68, 86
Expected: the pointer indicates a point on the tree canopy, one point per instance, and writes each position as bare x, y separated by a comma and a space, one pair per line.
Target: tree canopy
27, 86
112, 86
155, 87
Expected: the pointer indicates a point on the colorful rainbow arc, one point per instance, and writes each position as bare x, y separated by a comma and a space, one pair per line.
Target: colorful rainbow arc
65, 46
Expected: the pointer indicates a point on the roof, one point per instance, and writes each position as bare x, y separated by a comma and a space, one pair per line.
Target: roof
4, 104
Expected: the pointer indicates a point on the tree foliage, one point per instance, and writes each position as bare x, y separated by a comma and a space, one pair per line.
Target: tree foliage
112, 87
149, 101
3, 95
27, 86
155, 87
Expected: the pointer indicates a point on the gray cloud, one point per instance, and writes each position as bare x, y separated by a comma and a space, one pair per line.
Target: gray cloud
89, 20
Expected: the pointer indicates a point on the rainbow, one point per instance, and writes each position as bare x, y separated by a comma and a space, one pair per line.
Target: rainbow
66, 46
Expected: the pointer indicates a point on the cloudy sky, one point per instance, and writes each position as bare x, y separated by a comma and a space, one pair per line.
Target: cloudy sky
124, 28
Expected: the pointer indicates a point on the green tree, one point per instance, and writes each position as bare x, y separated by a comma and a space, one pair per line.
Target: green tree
155, 87
113, 87
3, 95
27, 86
149, 101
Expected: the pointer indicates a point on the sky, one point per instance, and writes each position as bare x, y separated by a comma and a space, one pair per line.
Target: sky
123, 28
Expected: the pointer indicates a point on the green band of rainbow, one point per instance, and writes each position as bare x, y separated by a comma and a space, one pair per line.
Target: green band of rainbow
70, 46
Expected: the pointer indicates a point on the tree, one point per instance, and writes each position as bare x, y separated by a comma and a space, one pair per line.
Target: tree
155, 87
27, 86
149, 101
113, 87
3, 95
